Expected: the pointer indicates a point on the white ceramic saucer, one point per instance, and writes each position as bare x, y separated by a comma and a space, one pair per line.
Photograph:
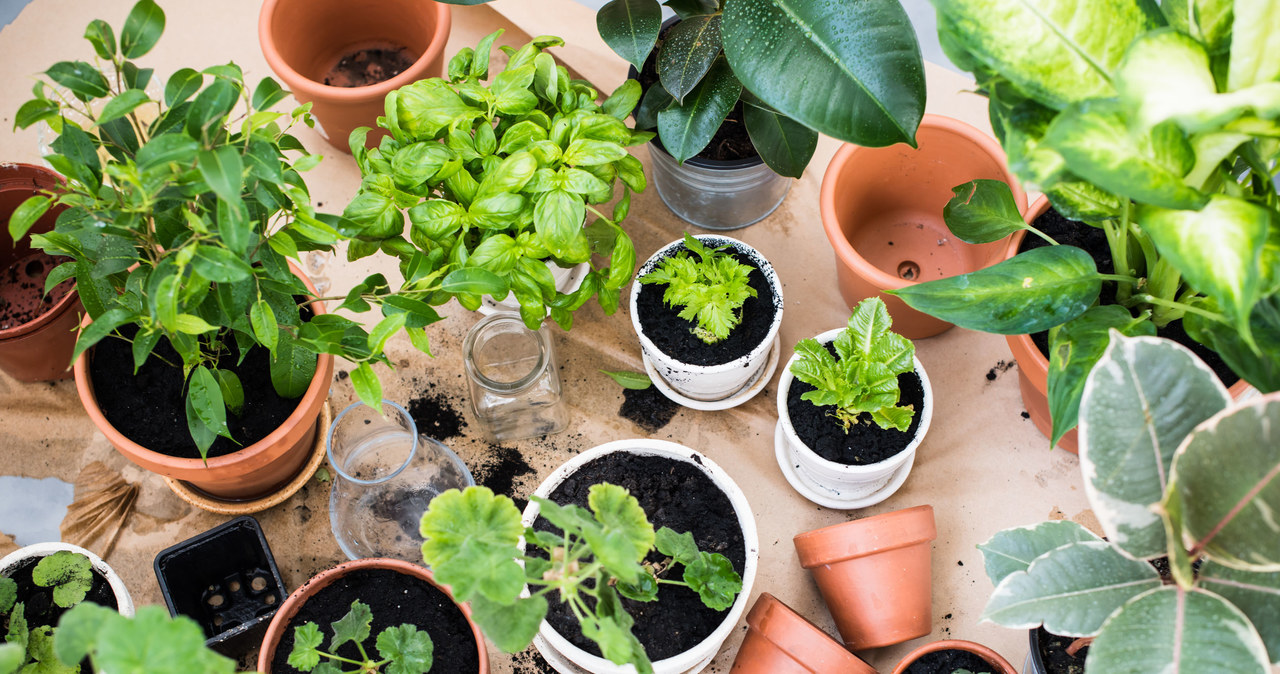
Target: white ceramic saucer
826, 497
748, 391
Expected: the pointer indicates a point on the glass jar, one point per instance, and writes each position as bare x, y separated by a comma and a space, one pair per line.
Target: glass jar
717, 195
515, 387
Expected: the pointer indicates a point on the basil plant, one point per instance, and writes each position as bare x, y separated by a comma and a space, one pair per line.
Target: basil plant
1173, 470
499, 180
1156, 125
851, 70
182, 212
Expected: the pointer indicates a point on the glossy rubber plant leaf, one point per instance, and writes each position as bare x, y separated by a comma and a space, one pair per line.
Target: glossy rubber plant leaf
1141, 400
1255, 44
686, 128
851, 70
630, 28
1014, 549
688, 51
1027, 293
983, 211
783, 143
1257, 595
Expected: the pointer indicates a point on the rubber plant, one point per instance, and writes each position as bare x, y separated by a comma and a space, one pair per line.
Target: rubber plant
851, 70
499, 180
1157, 125
1171, 469
183, 212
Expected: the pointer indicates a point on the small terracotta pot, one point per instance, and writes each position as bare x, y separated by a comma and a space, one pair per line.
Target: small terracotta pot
325, 578
303, 39
999, 664
41, 349
246, 474
882, 211
781, 641
875, 575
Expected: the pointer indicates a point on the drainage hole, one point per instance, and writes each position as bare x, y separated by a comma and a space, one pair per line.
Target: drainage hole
908, 270
258, 583
216, 600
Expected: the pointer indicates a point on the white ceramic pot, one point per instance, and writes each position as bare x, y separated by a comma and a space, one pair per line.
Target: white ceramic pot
568, 279
828, 482
38, 550
570, 659
708, 382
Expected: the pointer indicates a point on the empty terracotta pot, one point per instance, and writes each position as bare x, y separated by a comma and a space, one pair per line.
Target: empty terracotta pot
875, 575
781, 641
41, 348
303, 40
882, 211
998, 664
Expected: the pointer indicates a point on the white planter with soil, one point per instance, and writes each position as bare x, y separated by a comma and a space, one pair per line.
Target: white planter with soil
727, 371
847, 483
567, 658
19, 558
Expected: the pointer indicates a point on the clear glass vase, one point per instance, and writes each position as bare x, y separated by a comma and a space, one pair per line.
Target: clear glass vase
718, 195
515, 387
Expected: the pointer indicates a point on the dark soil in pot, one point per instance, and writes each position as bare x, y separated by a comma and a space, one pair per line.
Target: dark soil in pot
1052, 651
674, 335
674, 494
948, 661
22, 297
1094, 242
369, 65
37, 602
394, 598
150, 409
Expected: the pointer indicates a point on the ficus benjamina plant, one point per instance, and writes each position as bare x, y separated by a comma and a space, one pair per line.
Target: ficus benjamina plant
1158, 126
500, 180
1172, 469
708, 284
183, 211
597, 556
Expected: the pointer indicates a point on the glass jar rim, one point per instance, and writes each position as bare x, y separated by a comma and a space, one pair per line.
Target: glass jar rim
469, 345
413, 446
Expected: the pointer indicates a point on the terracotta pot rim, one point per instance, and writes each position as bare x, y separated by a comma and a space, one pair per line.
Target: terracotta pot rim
323, 579
794, 628
990, 656
16, 183
845, 251
311, 88
916, 526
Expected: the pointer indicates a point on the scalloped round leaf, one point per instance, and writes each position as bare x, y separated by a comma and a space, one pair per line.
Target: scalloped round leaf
1014, 549
455, 516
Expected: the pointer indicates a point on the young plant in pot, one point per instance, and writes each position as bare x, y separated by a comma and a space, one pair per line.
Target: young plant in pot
498, 181
182, 214
853, 406
1153, 130
1174, 470
954, 656
629, 598
707, 310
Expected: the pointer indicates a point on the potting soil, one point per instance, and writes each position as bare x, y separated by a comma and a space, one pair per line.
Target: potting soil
37, 602
948, 661
371, 65
865, 443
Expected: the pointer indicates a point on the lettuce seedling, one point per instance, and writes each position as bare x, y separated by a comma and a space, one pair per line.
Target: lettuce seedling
865, 378
711, 289
403, 650
472, 545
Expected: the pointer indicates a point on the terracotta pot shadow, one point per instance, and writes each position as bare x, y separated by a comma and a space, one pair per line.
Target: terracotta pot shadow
781, 641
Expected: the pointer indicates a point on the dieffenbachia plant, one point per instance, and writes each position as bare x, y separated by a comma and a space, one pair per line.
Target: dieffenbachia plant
864, 380
851, 70
401, 650
1158, 125
1170, 470
472, 545
499, 180
710, 289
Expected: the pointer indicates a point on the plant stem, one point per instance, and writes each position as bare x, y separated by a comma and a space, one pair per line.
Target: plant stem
1186, 308
1042, 235
1118, 278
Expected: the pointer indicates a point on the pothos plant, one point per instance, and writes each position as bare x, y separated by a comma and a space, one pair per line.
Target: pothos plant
70, 577
183, 212
863, 380
500, 179
709, 290
851, 70
472, 543
1173, 470
402, 649
1157, 125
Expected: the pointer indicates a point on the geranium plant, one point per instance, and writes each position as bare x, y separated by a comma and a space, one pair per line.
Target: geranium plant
598, 556
150, 642
183, 213
709, 290
1171, 471
402, 650
70, 576
500, 179
1155, 125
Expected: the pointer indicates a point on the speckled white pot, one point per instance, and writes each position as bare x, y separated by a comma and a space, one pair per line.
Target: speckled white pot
13, 559
570, 659
708, 382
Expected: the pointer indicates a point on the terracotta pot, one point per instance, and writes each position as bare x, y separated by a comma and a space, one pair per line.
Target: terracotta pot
41, 349
246, 474
325, 578
303, 39
875, 575
882, 211
781, 641
999, 664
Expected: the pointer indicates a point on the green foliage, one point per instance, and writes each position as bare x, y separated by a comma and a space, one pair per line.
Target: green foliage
710, 289
182, 213
149, 643
633, 380
599, 556
864, 380
499, 179
69, 574
401, 650
1170, 470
